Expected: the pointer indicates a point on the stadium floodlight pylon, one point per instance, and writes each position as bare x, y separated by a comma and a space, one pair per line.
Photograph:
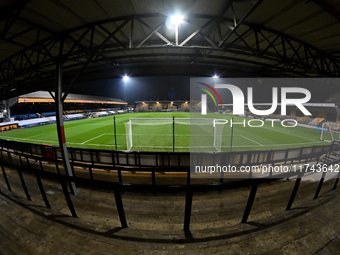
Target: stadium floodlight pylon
157, 133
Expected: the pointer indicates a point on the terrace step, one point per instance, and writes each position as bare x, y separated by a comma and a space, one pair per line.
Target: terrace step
156, 221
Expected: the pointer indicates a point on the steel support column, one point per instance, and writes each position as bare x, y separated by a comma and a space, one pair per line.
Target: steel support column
60, 126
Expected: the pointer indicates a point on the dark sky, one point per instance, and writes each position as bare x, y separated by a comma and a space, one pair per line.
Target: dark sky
178, 88
138, 88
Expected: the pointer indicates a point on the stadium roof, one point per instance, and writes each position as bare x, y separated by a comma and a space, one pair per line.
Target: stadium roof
110, 38
323, 105
45, 97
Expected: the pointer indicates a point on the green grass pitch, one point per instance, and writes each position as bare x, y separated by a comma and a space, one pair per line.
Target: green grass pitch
98, 133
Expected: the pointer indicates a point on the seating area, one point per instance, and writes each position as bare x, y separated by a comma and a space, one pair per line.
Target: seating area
75, 116
165, 106
25, 116
31, 120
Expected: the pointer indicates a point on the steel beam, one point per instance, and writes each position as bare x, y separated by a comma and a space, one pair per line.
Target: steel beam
258, 42
60, 123
328, 8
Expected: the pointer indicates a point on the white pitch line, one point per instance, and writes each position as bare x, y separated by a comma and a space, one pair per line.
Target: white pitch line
93, 138
161, 146
112, 145
102, 145
251, 140
30, 137
67, 127
274, 145
288, 133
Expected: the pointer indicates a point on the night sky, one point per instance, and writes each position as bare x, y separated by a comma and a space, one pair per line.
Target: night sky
178, 88
138, 88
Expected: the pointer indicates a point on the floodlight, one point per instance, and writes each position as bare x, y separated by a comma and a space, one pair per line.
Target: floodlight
157, 102
126, 78
186, 102
215, 76
176, 19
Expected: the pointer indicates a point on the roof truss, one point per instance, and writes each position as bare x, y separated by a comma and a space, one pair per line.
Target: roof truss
202, 39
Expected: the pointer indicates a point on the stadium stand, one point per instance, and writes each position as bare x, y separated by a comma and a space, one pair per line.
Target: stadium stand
100, 114
166, 106
40, 104
76, 116
32, 120
75, 107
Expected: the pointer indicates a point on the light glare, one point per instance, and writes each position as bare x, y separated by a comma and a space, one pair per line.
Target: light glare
176, 19
126, 78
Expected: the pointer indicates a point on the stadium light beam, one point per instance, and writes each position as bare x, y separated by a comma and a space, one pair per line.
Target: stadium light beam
126, 79
215, 76
176, 20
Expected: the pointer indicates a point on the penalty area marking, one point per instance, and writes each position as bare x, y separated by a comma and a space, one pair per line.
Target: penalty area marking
93, 138
251, 140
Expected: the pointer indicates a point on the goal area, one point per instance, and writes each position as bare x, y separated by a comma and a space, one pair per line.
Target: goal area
173, 134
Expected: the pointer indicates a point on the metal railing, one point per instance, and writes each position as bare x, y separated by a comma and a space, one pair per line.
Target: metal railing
20, 155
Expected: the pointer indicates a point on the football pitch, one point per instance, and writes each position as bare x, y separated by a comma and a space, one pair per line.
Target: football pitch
98, 133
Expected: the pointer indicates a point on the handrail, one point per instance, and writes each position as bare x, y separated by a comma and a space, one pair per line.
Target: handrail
18, 155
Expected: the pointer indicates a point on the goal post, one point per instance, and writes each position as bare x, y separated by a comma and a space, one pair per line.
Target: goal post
170, 134
327, 133
330, 132
128, 131
218, 133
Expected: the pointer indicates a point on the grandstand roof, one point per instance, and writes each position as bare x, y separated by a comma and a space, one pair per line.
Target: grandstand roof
110, 38
323, 105
45, 97
163, 101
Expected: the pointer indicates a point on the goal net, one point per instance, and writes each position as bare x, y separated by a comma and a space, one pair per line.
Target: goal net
330, 132
182, 134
